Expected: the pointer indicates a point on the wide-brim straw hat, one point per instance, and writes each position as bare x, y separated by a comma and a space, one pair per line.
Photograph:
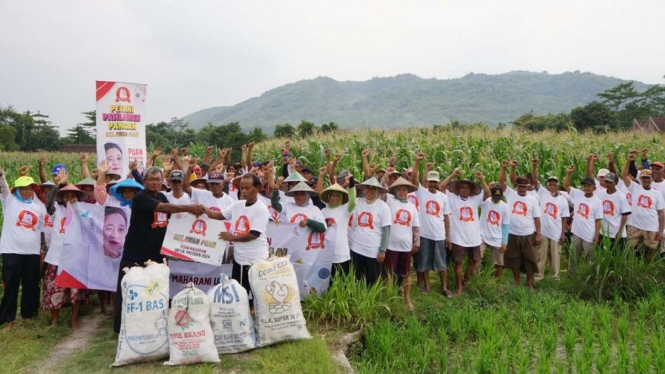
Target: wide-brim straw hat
26, 182
401, 182
325, 194
114, 176
86, 182
80, 195
475, 187
373, 182
301, 187
295, 177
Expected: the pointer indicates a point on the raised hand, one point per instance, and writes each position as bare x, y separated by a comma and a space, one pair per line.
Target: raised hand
479, 175
610, 157
42, 158
24, 170
61, 177
287, 144
338, 156
645, 153
323, 170
209, 149
420, 156
183, 151
174, 152
222, 153
328, 152
457, 173
505, 164
535, 162
279, 182
243, 147
84, 157
364, 153
133, 165
429, 166
192, 161
104, 167
251, 145
513, 163
631, 157
157, 152
570, 169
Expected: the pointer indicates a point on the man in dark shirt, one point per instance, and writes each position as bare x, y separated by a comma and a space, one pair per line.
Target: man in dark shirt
147, 228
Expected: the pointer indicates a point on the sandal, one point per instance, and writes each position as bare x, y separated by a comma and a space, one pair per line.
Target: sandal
448, 294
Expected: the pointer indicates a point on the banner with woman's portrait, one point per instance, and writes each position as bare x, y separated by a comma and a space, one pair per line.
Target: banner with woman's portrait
121, 125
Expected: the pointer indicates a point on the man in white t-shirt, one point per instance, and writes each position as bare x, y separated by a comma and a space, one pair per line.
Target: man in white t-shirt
615, 213
524, 235
647, 223
434, 212
658, 183
555, 213
249, 223
587, 220
465, 198
177, 195
494, 227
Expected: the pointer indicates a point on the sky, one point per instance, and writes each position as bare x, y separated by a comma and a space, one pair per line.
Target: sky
199, 54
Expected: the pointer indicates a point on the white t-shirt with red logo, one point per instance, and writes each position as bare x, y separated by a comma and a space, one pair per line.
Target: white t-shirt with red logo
182, 200
338, 217
464, 220
207, 199
646, 204
492, 217
404, 219
553, 208
22, 226
243, 220
61, 219
293, 213
587, 211
414, 199
614, 207
523, 210
367, 225
432, 210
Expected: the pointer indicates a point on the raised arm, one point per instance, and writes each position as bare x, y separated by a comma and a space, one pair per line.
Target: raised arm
188, 174
534, 173
4, 188
319, 182
513, 172
219, 160
85, 172
243, 158
100, 188
486, 188
42, 173
566, 180
502, 174
207, 156
153, 157
332, 170
624, 173
610, 163
591, 166
444, 184
416, 169
250, 148
428, 167
365, 154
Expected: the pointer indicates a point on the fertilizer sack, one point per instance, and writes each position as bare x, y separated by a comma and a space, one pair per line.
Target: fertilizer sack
145, 301
279, 315
190, 337
230, 317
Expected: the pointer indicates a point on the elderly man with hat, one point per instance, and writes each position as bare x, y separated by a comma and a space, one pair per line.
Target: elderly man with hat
645, 229
434, 214
56, 297
370, 232
465, 197
339, 205
404, 235
616, 211
301, 211
177, 195
587, 220
20, 247
214, 198
553, 222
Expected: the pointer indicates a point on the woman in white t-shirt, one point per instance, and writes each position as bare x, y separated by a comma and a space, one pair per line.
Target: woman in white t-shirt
339, 205
404, 235
20, 246
301, 211
370, 232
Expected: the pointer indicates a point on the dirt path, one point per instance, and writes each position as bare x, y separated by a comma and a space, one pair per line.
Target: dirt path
73, 343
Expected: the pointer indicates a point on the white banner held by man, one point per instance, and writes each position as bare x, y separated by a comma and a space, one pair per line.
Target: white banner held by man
195, 239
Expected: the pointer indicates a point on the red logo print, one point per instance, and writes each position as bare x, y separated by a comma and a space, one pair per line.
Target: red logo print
493, 217
242, 225
199, 227
273, 213
520, 208
466, 214
351, 220
122, 94
161, 220
330, 222
433, 208
48, 221
402, 217
551, 210
298, 217
644, 202
629, 197
316, 240
413, 199
608, 207
366, 219
583, 211
27, 219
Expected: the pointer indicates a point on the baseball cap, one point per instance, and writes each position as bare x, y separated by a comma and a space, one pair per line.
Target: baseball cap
205, 166
496, 191
589, 181
433, 176
555, 179
658, 164
602, 173
177, 175
215, 177
646, 173
611, 177
57, 167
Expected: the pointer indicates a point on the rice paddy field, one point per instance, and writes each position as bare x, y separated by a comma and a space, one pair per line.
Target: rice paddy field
607, 317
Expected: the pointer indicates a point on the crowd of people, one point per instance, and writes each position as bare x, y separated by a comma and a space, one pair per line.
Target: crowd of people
389, 223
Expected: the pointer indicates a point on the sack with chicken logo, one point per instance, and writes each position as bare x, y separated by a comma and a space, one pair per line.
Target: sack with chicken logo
190, 337
279, 315
145, 307
230, 317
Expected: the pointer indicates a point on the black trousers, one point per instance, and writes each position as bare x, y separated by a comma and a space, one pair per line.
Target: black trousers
366, 268
19, 270
339, 270
240, 273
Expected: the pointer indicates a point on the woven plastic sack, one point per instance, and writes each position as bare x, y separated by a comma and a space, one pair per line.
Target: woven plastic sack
230, 317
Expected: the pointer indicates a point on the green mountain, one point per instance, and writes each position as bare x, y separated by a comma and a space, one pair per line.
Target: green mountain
408, 100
